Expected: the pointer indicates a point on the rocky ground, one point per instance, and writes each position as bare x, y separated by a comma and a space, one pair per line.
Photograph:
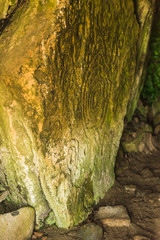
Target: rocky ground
131, 208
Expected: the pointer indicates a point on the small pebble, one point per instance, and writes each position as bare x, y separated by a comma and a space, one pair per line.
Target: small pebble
130, 188
136, 120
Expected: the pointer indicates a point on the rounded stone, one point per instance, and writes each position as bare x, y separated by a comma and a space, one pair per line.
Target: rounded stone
90, 231
17, 225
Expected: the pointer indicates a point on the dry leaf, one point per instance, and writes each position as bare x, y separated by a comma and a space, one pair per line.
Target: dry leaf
44, 238
37, 235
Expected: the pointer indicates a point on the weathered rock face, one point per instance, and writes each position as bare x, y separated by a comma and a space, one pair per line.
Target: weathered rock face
7, 7
144, 12
67, 71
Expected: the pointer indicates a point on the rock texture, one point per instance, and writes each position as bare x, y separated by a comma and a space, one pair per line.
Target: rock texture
67, 73
140, 238
136, 186
115, 216
144, 12
6, 7
17, 225
90, 231
3, 196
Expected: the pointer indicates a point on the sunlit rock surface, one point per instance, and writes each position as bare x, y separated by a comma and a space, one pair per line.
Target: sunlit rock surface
6, 7
17, 225
67, 71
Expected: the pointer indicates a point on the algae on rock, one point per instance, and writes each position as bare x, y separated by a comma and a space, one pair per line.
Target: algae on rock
151, 90
4, 7
145, 11
67, 71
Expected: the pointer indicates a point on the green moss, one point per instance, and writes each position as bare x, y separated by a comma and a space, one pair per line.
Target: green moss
151, 90
81, 201
50, 221
12, 2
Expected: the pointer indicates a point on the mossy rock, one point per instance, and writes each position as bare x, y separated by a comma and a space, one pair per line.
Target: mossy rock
67, 73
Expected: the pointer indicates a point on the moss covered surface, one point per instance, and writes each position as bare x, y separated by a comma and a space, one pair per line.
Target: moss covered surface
7, 7
151, 90
67, 70
144, 10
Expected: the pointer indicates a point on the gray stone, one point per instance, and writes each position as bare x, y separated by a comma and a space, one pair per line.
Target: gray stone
4, 7
17, 225
116, 216
90, 231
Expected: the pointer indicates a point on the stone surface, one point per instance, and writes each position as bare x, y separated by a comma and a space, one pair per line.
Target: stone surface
142, 170
157, 130
130, 189
138, 237
151, 90
144, 12
53, 233
3, 195
156, 119
67, 73
143, 7
90, 231
116, 216
148, 143
113, 222
4, 7
17, 225
140, 141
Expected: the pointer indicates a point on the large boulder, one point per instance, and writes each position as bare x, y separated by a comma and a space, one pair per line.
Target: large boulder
67, 71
